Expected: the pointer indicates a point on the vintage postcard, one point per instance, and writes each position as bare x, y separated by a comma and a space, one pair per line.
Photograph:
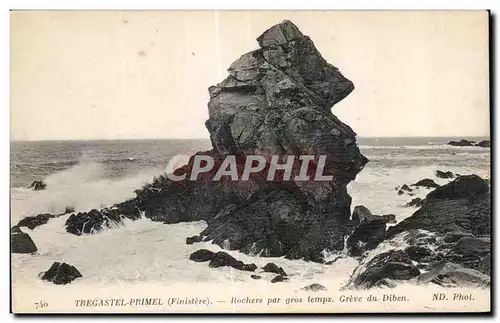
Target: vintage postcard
250, 162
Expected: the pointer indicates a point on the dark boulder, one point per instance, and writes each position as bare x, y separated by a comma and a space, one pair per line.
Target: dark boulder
21, 242
465, 187
202, 255
193, 239
361, 213
61, 274
32, 222
462, 143
279, 278
462, 205
417, 202
38, 185
401, 192
367, 236
427, 182
484, 144
395, 265
255, 276
273, 268
221, 259
314, 288
389, 218
441, 174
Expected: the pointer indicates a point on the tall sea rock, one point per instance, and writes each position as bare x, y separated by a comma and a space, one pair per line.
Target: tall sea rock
276, 100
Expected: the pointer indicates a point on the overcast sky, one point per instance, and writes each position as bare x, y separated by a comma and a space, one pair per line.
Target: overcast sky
104, 75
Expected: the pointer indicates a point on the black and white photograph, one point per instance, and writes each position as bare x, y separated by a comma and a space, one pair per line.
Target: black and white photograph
250, 161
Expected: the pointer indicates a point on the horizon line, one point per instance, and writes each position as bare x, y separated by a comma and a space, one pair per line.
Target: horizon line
198, 138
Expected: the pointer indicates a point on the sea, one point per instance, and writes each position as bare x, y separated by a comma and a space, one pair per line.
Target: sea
145, 255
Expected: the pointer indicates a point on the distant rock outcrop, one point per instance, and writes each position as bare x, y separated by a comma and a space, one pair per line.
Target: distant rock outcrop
462, 143
441, 174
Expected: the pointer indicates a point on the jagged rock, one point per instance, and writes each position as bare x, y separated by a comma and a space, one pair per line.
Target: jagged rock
21, 242
417, 202
61, 274
401, 192
202, 255
38, 185
32, 222
255, 276
462, 143
441, 174
461, 205
362, 214
314, 288
279, 278
462, 187
193, 239
427, 182
365, 237
95, 220
273, 268
395, 265
484, 144
276, 100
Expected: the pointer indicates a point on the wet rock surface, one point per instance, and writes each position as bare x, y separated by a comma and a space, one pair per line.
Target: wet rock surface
61, 273
441, 174
448, 238
427, 183
21, 242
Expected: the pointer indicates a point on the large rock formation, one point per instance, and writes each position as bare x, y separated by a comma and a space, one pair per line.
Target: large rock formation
276, 100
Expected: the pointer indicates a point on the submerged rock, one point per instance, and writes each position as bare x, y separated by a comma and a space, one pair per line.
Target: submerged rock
273, 268
61, 274
202, 255
193, 239
441, 174
38, 185
314, 288
21, 242
427, 182
484, 144
462, 143
278, 279
95, 220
